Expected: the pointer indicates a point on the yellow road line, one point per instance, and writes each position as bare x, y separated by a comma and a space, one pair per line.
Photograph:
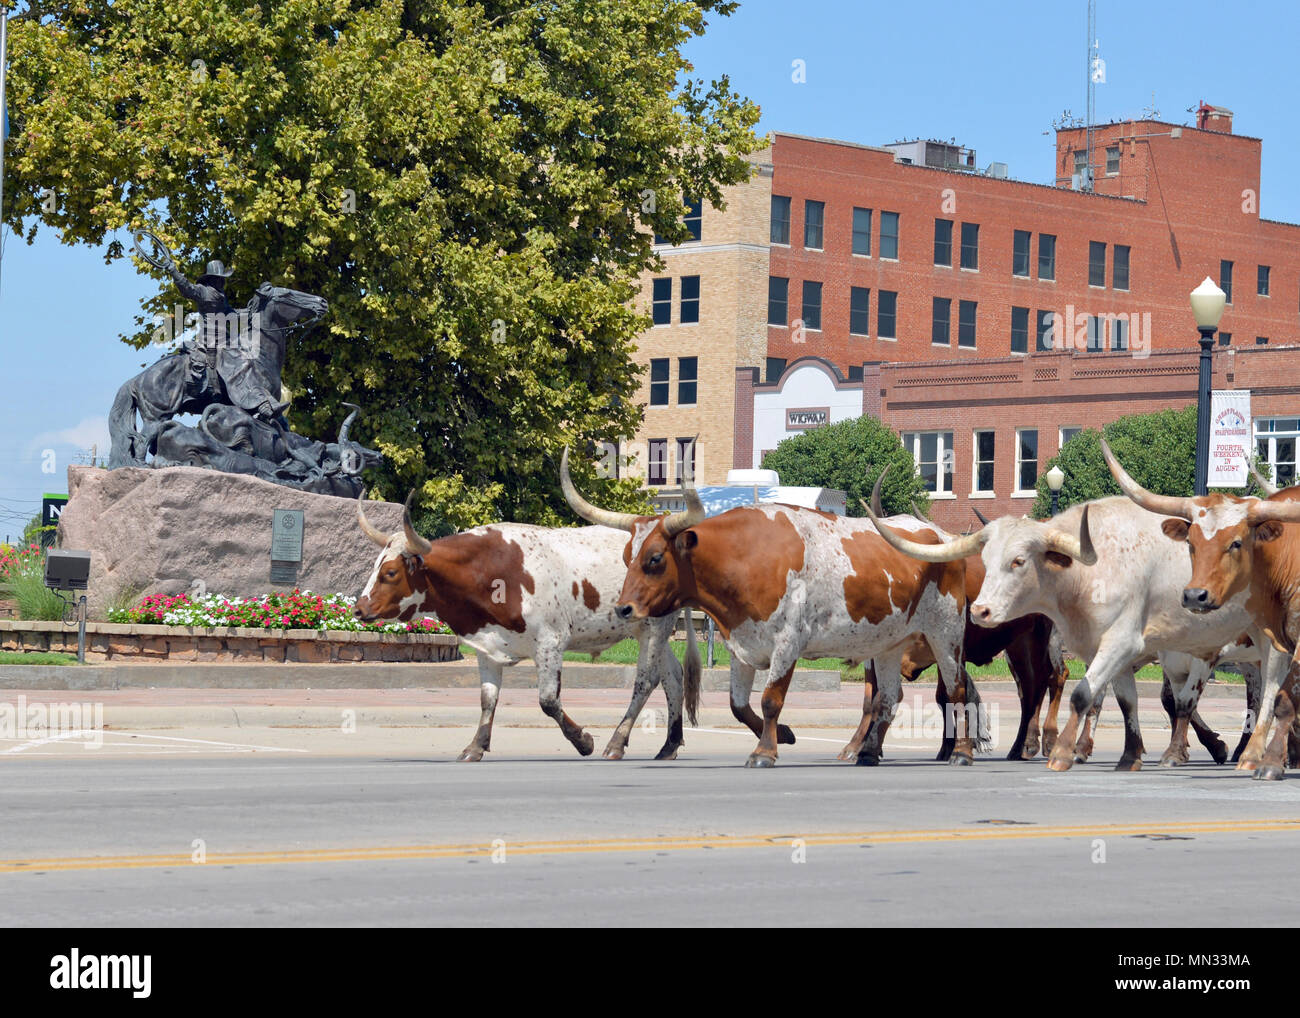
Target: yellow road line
382, 853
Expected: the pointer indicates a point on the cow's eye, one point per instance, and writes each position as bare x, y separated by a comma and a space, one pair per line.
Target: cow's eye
1017, 563
655, 559
1234, 545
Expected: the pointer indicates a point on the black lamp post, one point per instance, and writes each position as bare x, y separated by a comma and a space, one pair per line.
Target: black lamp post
1207, 308
1055, 478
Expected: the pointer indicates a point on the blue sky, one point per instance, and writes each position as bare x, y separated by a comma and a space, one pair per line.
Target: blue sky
994, 77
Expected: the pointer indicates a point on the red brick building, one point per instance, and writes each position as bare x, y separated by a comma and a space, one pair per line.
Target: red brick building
985, 318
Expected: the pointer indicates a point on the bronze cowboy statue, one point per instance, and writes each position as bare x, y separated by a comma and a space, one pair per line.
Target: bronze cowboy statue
234, 383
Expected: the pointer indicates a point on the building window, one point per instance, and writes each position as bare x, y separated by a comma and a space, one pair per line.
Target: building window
1096, 263
1275, 440
1081, 161
943, 242
1225, 339
694, 217
932, 452
859, 311
685, 459
657, 468
690, 311
1119, 333
662, 302
1026, 459
940, 321
889, 235
1261, 341
1262, 281
966, 323
1096, 338
687, 379
1046, 330
780, 219
1225, 279
970, 245
813, 214
1046, 256
811, 310
1067, 434
1020, 253
1020, 330
1112, 161
887, 314
1119, 268
775, 368
659, 381
984, 446
862, 231
778, 300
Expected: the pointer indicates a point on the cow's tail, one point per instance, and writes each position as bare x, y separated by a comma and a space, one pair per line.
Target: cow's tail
691, 671
983, 731
128, 443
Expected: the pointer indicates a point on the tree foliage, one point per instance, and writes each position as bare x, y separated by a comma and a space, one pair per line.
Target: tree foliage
849, 455
472, 185
1157, 449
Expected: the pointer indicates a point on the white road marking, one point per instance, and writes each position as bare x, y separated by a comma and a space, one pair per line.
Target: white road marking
162, 743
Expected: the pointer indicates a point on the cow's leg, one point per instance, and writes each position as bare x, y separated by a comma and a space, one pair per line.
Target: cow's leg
654, 662
1127, 695
949, 741
671, 669
1117, 650
1173, 669
1056, 690
1182, 709
774, 694
851, 748
1276, 666
549, 662
963, 699
1083, 747
889, 682
1272, 767
742, 689
489, 678
1031, 667
1253, 674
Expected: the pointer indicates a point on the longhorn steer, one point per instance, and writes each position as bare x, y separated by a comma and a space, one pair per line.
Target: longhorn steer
783, 582
513, 591
1103, 573
1245, 553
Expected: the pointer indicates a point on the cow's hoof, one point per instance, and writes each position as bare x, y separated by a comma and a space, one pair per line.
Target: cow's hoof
1269, 772
614, 752
667, 753
1246, 765
784, 735
1173, 759
960, 760
1049, 744
586, 745
758, 760
868, 760
1128, 765
1219, 751
1060, 762
470, 755
944, 754
849, 752
1031, 748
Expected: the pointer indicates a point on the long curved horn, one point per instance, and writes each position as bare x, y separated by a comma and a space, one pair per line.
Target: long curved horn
1270, 510
1078, 548
979, 516
1165, 505
414, 542
1265, 485
949, 551
589, 512
875, 492
347, 422
920, 515
367, 528
694, 513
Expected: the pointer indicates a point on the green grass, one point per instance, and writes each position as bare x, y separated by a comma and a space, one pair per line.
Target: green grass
625, 652
36, 602
18, 657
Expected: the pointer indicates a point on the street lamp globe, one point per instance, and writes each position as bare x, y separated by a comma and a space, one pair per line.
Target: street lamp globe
1055, 478
1207, 305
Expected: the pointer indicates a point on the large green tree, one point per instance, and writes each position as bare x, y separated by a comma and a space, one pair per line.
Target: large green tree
1157, 449
472, 186
850, 455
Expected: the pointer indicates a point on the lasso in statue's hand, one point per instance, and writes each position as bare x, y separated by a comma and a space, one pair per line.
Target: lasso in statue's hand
158, 255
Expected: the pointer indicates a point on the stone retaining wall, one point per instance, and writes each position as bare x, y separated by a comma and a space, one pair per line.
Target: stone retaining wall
106, 641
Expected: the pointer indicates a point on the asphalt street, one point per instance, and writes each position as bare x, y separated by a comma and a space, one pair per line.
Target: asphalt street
236, 827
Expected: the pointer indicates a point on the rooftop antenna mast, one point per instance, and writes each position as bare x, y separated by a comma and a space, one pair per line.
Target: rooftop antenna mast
1096, 71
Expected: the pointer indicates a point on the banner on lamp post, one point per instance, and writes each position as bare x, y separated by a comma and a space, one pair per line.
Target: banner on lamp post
1230, 438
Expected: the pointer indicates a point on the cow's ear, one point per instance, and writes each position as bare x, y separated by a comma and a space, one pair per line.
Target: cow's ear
1175, 529
1269, 531
413, 563
687, 540
1058, 559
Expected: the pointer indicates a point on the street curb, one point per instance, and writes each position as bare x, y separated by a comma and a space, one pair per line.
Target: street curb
388, 675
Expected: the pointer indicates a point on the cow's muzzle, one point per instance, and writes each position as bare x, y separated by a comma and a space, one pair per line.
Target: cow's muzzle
626, 611
982, 615
1197, 599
